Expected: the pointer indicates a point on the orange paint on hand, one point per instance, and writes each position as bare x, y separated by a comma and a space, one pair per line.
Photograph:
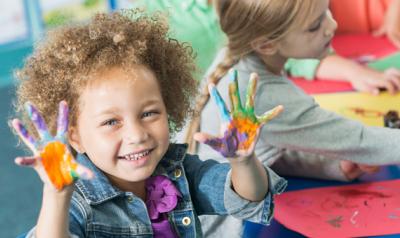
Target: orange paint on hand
58, 163
248, 128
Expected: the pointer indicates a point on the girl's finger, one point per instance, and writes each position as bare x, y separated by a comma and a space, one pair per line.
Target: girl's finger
24, 135
386, 84
269, 115
392, 71
38, 122
62, 121
212, 141
395, 82
395, 39
369, 168
26, 161
251, 92
234, 95
202, 137
225, 116
226, 145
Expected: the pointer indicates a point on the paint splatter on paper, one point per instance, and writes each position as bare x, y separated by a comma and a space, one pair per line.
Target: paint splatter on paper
359, 210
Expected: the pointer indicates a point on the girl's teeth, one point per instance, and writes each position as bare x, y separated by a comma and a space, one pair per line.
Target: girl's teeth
136, 156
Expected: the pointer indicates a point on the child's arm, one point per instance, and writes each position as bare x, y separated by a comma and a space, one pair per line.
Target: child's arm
391, 24
312, 165
361, 77
336, 67
241, 129
53, 218
56, 168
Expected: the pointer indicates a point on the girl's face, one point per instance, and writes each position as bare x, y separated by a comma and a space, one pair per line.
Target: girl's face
314, 39
122, 125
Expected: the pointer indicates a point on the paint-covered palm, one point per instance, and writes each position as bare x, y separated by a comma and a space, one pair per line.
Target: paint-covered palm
241, 126
51, 157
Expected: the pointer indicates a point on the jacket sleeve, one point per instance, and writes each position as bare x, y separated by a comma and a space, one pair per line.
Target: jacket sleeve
212, 193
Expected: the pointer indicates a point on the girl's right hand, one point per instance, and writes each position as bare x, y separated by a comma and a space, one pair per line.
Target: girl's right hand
51, 158
371, 81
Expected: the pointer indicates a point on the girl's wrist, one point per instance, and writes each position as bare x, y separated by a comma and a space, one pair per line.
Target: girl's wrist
242, 160
50, 190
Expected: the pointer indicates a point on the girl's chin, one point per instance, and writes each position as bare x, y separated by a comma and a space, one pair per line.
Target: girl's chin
322, 55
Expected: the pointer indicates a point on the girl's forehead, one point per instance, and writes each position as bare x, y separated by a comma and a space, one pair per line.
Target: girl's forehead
309, 13
134, 74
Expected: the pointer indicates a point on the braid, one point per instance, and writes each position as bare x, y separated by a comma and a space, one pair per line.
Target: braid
201, 102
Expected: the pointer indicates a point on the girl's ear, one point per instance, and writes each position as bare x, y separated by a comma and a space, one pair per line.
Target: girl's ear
264, 46
74, 140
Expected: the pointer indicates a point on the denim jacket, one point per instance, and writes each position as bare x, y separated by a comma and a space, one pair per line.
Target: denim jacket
98, 209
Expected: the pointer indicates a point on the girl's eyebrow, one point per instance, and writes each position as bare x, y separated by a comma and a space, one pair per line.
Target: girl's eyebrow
114, 110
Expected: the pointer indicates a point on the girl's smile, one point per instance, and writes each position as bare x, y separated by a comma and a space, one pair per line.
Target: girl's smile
137, 159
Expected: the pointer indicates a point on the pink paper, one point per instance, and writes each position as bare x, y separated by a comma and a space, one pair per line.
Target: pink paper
366, 209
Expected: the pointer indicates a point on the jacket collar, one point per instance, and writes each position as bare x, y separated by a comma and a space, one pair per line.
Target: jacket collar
99, 189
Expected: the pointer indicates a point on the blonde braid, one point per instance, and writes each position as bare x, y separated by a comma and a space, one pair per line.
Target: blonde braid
215, 77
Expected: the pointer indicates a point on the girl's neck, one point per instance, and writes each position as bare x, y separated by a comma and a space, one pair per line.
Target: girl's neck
137, 188
274, 63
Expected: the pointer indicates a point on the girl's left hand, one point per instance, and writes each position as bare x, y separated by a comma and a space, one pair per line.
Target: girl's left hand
240, 127
353, 170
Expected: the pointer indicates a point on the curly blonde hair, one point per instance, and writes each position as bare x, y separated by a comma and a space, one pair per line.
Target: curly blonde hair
60, 67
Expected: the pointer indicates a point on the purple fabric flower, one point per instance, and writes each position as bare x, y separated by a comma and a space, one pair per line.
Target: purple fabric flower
162, 197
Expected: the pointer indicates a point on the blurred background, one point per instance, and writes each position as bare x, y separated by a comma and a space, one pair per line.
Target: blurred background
22, 24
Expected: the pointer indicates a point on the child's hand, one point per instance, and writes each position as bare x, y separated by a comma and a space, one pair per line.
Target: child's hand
369, 80
51, 158
391, 23
241, 126
352, 170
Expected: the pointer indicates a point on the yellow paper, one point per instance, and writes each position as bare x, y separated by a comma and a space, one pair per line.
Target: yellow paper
362, 107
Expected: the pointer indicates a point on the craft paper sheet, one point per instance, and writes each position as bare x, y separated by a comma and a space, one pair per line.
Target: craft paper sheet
342, 211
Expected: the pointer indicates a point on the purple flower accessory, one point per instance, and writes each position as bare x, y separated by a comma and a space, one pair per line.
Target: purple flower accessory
162, 197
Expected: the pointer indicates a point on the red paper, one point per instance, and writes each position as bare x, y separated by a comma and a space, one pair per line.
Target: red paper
350, 46
322, 86
342, 211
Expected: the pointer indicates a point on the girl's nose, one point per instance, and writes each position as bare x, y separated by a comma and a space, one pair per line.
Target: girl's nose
332, 25
135, 133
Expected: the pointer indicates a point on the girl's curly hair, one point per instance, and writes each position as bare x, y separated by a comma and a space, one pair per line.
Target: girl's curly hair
60, 67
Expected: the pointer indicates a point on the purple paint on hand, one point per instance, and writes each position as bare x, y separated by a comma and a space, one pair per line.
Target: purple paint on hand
228, 144
62, 122
38, 122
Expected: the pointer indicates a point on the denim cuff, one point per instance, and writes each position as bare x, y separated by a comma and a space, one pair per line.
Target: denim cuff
258, 212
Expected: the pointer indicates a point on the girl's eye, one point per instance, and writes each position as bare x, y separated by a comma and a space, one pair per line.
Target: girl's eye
111, 122
315, 28
149, 114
